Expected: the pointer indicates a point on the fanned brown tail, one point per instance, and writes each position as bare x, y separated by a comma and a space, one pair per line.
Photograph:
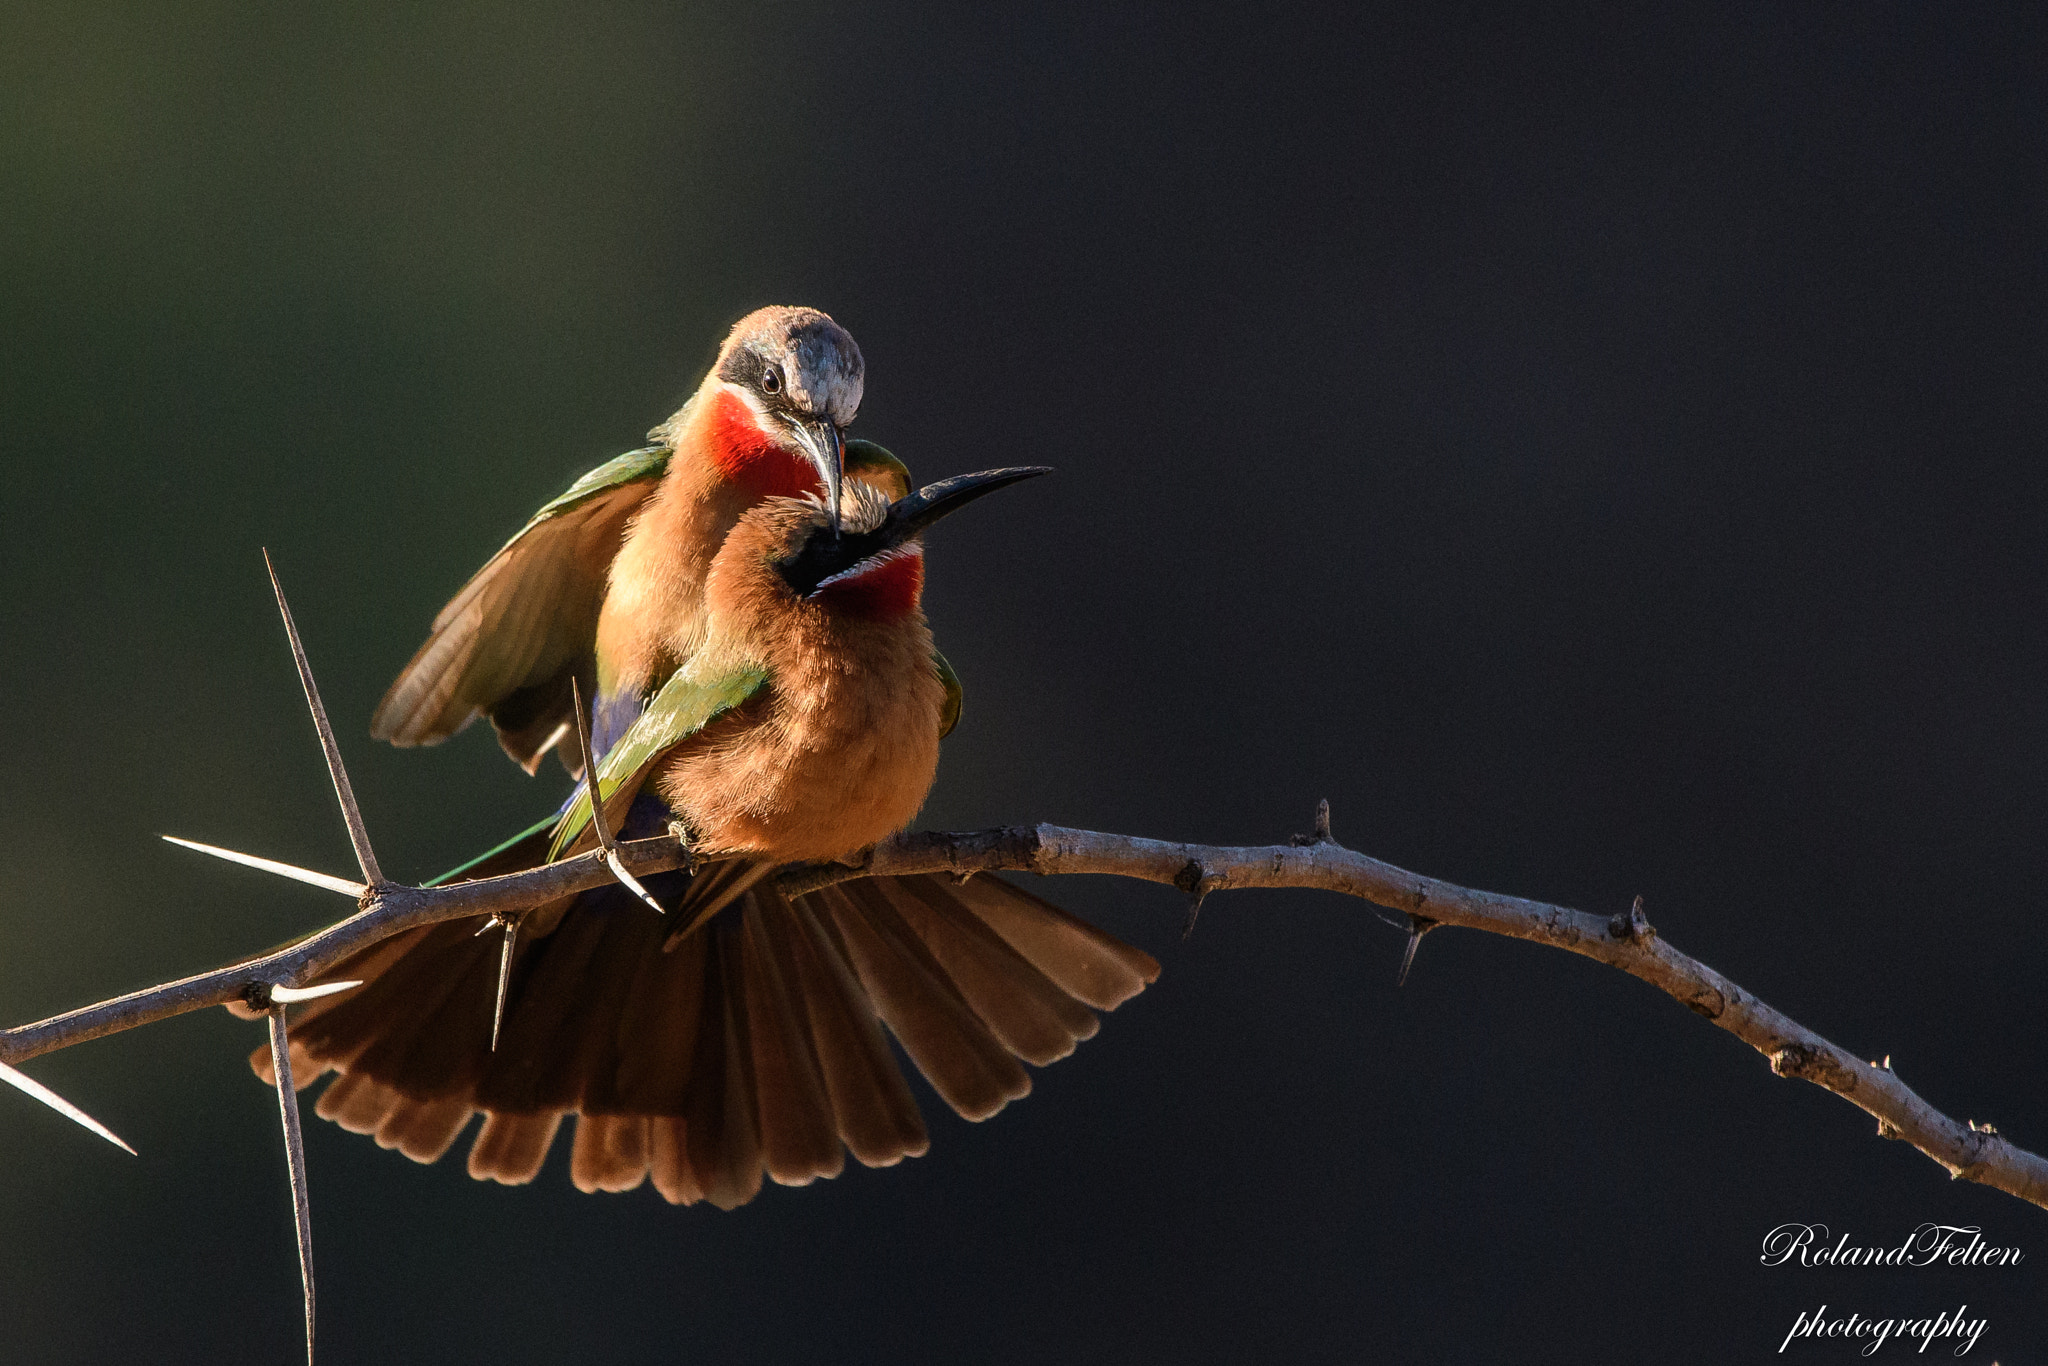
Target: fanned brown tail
752, 1046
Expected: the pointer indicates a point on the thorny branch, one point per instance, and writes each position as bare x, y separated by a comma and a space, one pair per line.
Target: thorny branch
1970, 1151
266, 985
1626, 941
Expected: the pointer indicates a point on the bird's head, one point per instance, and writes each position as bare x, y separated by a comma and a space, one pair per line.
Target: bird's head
802, 376
871, 565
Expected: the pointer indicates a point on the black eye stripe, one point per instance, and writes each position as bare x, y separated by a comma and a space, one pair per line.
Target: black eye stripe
751, 370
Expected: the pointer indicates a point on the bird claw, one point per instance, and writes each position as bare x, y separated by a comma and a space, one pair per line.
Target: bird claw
681, 834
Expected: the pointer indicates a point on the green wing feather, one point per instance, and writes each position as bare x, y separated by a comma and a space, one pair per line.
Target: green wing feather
949, 715
878, 467
507, 644
649, 462
476, 867
685, 705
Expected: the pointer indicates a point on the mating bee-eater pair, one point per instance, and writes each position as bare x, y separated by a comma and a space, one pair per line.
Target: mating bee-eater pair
742, 601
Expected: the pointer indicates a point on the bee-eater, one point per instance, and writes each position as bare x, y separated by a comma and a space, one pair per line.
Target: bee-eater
605, 585
740, 1033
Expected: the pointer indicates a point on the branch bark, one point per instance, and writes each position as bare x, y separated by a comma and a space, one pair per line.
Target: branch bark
1626, 941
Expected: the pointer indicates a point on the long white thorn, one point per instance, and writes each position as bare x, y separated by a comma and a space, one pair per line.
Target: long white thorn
295, 1160
612, 861
32, 1087
355, 890
358, 835
504, 978
597, 819
287, 996
605, 841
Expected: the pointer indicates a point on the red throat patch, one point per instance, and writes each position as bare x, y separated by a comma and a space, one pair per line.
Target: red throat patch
880, 589
745, 456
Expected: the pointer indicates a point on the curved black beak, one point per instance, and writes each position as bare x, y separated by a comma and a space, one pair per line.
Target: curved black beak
913, 513
821, 559
826, 445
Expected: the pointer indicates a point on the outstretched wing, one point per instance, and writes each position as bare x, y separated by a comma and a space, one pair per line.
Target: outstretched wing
685, 705
507, 645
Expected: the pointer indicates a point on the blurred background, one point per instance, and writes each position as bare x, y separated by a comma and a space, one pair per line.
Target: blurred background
1599, 451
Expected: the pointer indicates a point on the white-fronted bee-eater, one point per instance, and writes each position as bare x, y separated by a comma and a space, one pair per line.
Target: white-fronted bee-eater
745, 602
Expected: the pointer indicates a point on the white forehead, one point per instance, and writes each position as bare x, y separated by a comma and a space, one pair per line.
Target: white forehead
818, 370
826, 374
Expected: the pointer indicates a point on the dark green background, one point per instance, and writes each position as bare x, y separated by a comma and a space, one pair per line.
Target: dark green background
1601, 453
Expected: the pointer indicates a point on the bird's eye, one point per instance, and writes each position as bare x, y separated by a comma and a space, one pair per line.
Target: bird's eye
771, 381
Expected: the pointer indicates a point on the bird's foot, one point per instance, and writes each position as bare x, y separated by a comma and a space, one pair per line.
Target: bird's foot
681, 833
